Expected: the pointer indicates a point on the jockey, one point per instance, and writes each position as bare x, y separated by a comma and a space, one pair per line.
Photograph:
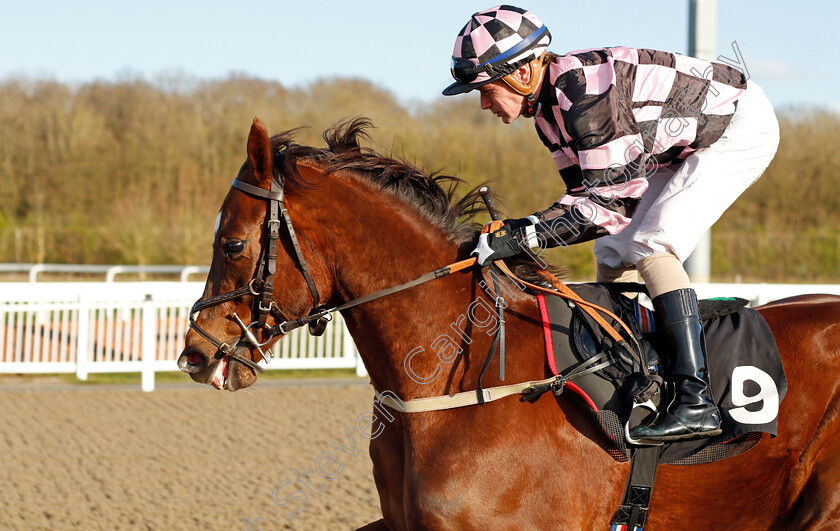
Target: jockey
652, 146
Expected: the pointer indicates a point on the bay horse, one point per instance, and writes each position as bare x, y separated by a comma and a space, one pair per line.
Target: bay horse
363, 223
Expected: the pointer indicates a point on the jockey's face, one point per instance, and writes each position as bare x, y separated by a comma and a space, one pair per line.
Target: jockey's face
498, 98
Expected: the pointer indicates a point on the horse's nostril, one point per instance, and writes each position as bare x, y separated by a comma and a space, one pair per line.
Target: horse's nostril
192, 361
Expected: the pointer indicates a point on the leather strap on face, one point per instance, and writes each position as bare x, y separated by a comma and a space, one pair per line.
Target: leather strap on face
301, 262
274, 194
223, 348
270, 261
262, 285
276, 209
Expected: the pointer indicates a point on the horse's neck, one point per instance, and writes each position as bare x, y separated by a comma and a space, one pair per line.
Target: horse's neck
429, 339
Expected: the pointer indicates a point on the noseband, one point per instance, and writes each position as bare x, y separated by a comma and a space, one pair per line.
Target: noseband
261, 286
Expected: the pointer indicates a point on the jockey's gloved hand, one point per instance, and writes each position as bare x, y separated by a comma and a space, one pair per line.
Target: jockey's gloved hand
498, 240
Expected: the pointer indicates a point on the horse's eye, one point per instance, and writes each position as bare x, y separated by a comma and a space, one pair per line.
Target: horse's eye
233, 247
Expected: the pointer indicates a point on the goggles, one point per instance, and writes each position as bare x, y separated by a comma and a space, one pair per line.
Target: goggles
465, 71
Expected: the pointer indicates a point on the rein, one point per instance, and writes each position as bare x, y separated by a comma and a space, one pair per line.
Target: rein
261, 287
441, 272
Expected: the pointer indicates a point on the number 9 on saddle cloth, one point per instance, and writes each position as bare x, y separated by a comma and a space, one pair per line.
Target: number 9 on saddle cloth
745, 369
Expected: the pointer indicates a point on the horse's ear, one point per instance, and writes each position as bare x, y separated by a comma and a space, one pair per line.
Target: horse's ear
259, 152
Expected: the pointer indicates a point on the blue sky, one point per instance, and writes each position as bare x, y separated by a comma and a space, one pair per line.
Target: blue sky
401, 46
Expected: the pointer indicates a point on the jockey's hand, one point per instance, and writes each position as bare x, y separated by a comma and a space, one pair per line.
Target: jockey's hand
492, 226
497, 242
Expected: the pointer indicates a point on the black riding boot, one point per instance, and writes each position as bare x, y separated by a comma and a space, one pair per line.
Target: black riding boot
692, 413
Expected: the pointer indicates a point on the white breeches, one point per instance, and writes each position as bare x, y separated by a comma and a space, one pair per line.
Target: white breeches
684, 201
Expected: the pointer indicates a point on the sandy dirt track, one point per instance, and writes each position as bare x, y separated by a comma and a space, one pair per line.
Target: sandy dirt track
183, 458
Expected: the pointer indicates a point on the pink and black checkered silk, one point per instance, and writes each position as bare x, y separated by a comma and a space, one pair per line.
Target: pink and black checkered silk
494, 43
612, 116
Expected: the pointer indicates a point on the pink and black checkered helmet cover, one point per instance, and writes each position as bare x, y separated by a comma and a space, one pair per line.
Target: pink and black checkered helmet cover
504, 37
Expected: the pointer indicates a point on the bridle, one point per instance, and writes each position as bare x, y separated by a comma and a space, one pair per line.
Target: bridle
261, 286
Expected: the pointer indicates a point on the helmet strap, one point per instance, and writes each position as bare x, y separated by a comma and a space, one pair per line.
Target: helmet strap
530, 107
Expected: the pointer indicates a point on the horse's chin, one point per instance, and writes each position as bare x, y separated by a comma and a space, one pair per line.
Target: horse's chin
240, 376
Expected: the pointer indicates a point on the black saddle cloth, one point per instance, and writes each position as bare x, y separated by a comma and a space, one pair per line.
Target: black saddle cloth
746, 372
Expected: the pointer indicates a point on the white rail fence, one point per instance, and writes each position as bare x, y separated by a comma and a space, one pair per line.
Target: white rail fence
110, 271
99, 327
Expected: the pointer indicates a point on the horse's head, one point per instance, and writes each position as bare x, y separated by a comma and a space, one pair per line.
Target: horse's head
269, 275
257, 261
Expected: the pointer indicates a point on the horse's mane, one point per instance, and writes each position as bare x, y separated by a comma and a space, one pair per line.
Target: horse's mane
432, 195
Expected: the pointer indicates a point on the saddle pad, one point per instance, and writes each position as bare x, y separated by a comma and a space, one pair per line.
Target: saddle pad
747, 376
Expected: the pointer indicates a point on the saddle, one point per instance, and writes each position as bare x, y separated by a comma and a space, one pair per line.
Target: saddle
746, 372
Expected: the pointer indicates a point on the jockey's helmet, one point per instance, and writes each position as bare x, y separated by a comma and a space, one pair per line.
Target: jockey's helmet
494, 43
